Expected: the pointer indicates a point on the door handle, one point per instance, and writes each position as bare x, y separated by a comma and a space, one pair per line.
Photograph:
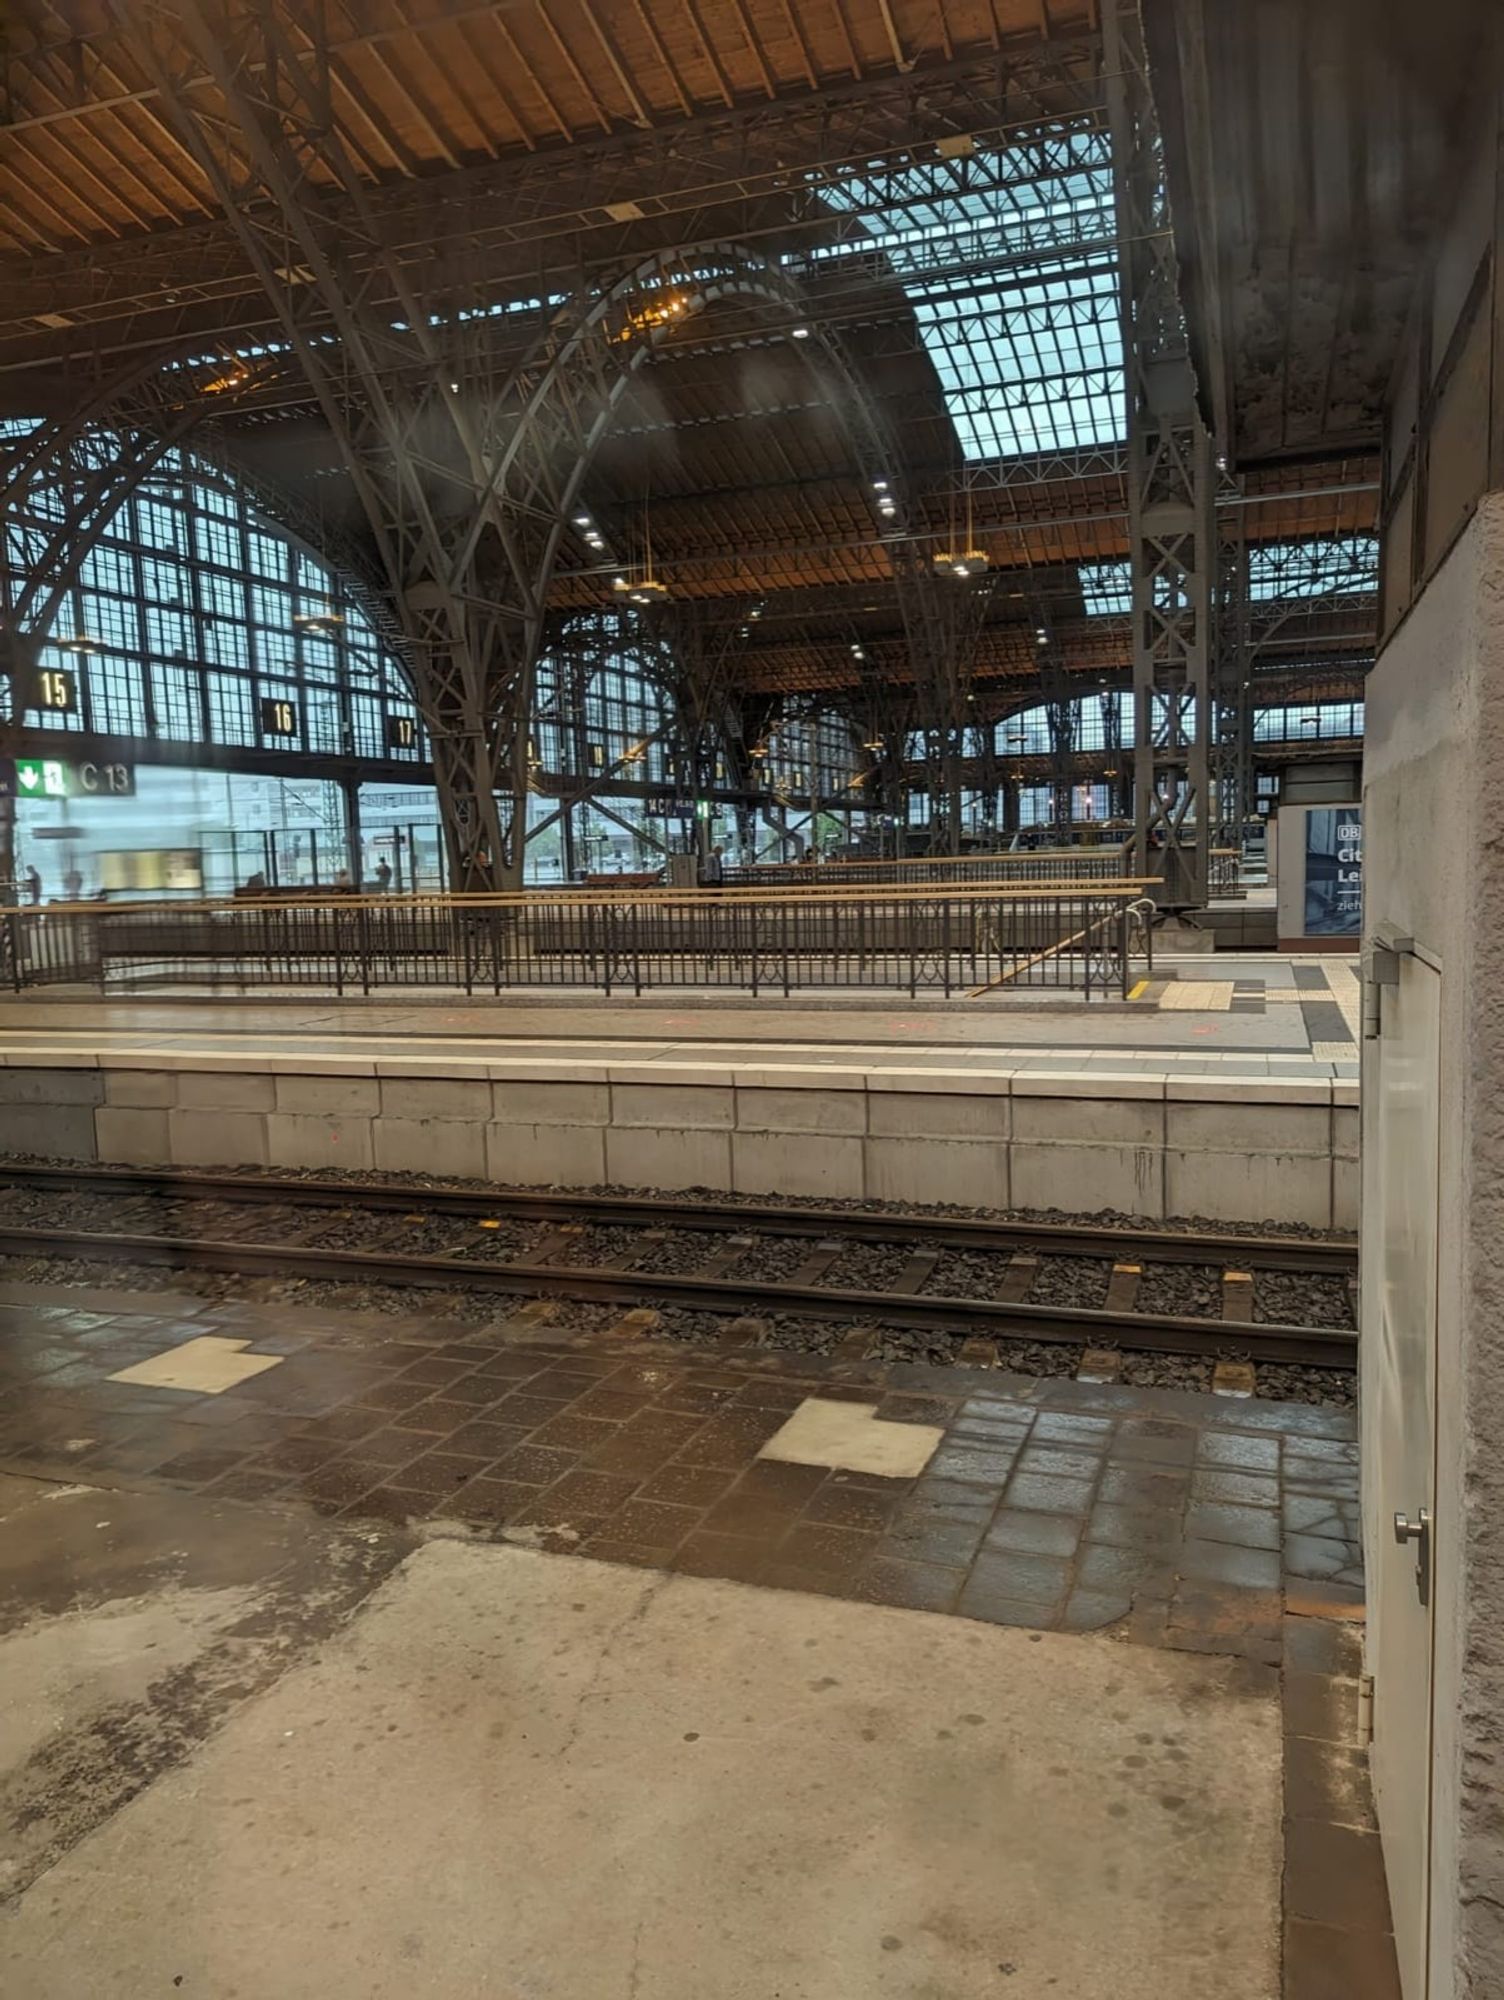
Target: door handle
1419, 1532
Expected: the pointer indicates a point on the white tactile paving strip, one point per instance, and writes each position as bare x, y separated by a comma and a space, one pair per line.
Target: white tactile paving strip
1197, 996
850, 1437
206, 1366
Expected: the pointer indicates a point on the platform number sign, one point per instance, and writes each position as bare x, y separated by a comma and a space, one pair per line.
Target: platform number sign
279, 716
56, 691
401, 732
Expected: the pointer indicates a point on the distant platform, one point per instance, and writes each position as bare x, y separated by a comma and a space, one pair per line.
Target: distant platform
1232, 1100
1258, 1017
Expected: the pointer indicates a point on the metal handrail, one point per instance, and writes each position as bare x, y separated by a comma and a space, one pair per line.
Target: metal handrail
948, 939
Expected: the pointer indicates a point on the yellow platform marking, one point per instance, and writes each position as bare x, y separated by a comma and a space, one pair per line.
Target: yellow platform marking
1135, 991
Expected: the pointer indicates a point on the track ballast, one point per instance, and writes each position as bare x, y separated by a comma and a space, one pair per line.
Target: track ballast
541, 1243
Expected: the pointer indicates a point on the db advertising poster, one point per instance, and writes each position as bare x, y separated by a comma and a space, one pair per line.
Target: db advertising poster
1334, 871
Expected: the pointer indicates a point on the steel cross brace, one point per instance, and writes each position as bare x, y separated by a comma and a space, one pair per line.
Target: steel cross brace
1170, 490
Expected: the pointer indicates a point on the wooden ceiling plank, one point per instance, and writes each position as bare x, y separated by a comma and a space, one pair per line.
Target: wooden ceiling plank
902, 61
946, 43
486, 138
708, 52
398, 153
24, 234
28, 191
852, 58
192, 196
650, 29
148, 213
629, 89
791, 19
115, 109
428, 121
759, 56
493, 82
565, 132
111, 227
69, 150
587, 89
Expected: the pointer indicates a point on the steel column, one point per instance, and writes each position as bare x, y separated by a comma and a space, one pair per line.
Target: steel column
1170, 491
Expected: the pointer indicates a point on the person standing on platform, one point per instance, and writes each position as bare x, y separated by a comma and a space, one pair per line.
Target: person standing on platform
383, 876
73, 886
809, 857
32, 883
713, 872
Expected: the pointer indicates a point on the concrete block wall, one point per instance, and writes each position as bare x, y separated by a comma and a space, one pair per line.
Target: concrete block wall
1228, 1149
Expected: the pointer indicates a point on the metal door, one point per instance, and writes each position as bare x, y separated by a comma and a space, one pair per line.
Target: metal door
1400, 1207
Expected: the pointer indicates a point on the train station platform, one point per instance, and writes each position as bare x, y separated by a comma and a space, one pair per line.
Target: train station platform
1233, 1099
392, 1655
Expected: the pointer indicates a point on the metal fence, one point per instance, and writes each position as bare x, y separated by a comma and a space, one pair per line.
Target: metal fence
1063, 865
896, 940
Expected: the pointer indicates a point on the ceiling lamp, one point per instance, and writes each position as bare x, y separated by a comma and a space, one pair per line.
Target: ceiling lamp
646, 589
968, 560
318, 621
81, 642
235, 377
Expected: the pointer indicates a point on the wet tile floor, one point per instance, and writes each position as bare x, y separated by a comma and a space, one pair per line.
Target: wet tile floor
1179, 1520
1153, 1517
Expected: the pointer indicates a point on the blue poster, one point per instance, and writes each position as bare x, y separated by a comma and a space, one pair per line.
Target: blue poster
1334, 871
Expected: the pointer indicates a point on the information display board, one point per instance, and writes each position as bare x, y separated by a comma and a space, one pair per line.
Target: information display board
1334, 871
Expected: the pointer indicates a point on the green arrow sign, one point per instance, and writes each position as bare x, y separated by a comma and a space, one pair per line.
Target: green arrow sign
41, 777
50, 778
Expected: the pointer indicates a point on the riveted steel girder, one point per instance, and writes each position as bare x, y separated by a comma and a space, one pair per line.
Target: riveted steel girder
467, 486
1170, 490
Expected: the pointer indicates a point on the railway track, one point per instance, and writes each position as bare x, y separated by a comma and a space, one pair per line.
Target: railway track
1022, 1280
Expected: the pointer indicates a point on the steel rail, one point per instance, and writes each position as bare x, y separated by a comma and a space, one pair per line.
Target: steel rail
1310, 1256
1162, 1333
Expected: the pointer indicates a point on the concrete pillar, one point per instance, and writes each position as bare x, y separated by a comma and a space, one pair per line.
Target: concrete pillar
1434, 862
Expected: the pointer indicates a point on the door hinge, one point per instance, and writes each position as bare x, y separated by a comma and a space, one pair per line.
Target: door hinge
1382, 969
1365, 1710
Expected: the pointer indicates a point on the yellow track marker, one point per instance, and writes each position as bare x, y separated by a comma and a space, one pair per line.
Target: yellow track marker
1135, 991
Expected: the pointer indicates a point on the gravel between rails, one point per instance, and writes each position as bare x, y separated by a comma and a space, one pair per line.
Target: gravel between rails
681, 1254
392, 1235
600, 1248
867, 1267
1298, 1298
778, 1330
1191, 1291
1327, 1386
772, 1260
1167, 1371
973, 1274
1103, 1218
1071, 1281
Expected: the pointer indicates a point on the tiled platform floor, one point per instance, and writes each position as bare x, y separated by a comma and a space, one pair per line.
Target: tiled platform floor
1189, 1520
1223, 1014
1154, 1517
